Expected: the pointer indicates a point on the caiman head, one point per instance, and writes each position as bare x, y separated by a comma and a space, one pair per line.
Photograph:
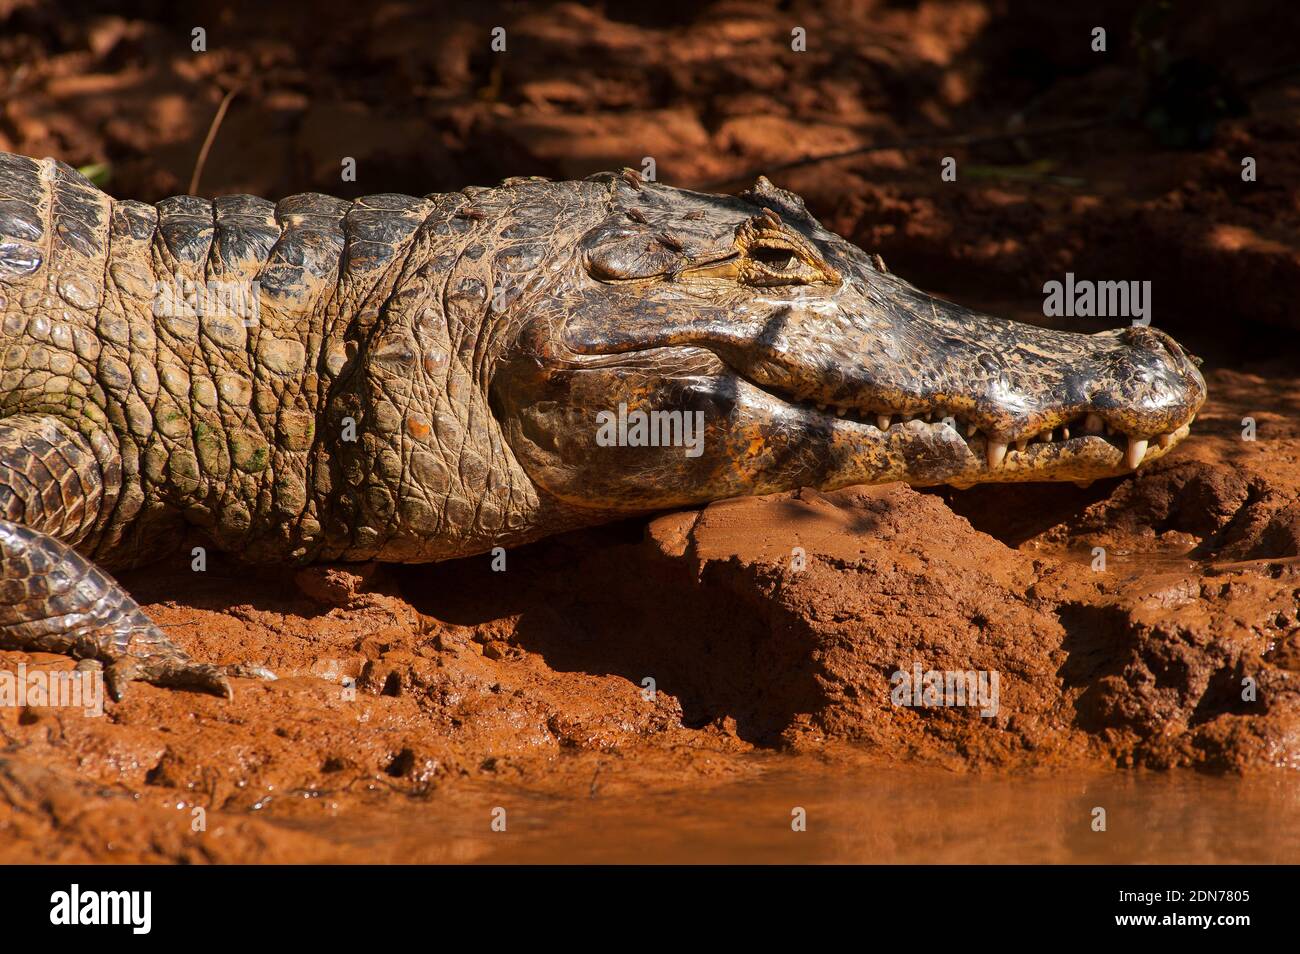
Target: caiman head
694, 347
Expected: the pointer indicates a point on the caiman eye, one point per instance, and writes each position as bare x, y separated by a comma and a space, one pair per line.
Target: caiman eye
777, 259
773, 261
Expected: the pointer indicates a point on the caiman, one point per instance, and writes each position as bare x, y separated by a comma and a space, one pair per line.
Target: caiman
427, 378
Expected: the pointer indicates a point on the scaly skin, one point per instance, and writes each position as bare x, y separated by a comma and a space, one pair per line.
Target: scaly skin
422, 377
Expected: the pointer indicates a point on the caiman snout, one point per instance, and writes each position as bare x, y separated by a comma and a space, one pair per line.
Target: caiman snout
967, 397
1149, 390
1114, 395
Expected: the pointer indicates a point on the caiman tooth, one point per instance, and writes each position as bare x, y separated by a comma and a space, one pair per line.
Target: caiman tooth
972, 429
882, 421
839, 411
1065, 433
1045, 437
1093, 424
995, 452
1166, 439
1137, 449
1021, 445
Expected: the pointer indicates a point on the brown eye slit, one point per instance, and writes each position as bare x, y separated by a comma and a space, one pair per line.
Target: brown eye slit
776, 258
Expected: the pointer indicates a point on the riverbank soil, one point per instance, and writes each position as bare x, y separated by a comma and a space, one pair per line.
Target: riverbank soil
684, 681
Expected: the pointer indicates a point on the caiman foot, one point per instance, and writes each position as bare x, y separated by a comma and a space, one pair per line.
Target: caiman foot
54, 600
151, 657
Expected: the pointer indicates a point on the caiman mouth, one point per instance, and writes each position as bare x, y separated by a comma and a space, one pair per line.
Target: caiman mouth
965, 439
1085, 435
1088, 432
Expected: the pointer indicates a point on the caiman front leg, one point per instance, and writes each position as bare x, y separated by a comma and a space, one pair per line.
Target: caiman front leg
54, 600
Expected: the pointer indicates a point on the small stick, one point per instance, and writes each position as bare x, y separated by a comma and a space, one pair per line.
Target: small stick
1247, 564
202, 160
961, 139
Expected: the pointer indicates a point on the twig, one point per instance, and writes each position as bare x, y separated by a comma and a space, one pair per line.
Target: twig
961, 139
1217, 568
202, 160
1270, 76
971, 139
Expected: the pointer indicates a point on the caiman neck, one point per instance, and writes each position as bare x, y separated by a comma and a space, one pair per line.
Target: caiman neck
416, 467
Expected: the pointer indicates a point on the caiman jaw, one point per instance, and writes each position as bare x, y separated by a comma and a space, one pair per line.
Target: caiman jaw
1087, 442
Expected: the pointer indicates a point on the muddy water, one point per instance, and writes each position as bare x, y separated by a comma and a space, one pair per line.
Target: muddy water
878, 816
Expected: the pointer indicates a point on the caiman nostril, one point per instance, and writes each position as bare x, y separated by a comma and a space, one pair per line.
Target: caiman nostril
1172, 346
1139, 336
1149, 339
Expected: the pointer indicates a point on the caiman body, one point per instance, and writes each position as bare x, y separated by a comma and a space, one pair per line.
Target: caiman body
422, 378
